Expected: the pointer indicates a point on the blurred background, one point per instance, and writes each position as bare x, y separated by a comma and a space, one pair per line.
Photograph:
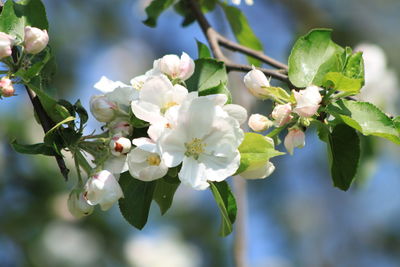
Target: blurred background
295, 217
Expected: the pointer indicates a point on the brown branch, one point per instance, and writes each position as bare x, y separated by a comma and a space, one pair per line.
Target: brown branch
216, 40
44, 119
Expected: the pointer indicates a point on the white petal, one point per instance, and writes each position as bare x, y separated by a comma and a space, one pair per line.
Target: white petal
172, 147
192, 173
106, 85
260, 173
146, 111
154, 90
123, 95
145, 144
116, 164
220, 168
236, 111
152, 173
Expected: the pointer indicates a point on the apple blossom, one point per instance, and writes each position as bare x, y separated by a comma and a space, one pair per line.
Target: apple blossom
6, 43
102, 108
308, 101
120, 145
6, 87
294, 138
259, 123
120, 127
236, 111
256, 82
259, 172
248, 2
77, 205
205, 141
174, 67
281, 114
102, 188
35, 40
144, 162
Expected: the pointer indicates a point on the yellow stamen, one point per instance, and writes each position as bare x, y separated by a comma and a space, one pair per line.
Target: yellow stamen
153, 160
194, 148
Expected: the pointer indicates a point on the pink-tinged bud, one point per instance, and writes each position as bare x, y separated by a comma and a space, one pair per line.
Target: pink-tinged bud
6, 87
174, 67
120, 127
120, 145
102, 108
256, 82
259, 172
295, 138
6, 43
259, 123
281, 114
77, 204
103, 189
35, 40
307, 101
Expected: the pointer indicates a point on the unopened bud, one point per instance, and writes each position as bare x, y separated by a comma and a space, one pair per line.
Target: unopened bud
176, 68
259, 123
295, 138
6, 87
120, 127
35, 40
256, 82
307, 101
102, 108
281, 114
6, 42
77, 205
120, 145
259, 172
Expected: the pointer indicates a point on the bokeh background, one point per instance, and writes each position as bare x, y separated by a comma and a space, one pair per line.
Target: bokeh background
295, 217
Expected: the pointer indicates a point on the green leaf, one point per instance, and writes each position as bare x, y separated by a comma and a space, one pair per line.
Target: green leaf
365, 118
10, 23
155, 9
396, 122
227, 205
219, 89
255, 151
354, 67
83, 115
242, 30
135, 205
164, 194
209, 76
277, 93
312, 56
203, 50
344, 152
340, 82
183, 8
39, 61
40, 148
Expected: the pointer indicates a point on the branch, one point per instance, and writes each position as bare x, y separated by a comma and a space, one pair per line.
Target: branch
44, 119
216, 40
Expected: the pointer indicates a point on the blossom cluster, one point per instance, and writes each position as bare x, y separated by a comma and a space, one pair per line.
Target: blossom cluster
197, 135
296, 110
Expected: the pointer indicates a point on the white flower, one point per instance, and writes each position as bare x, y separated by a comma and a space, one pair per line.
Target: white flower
294, 138
256, 82
102, 188
120, 145
259, 123
77, 205
102, 108
117, 92
281, 114
35, 40
144, 162
205, 141
156, 97
6, 43
236, 111
175, 67
307, 101
248, 2
259, 172
6, 87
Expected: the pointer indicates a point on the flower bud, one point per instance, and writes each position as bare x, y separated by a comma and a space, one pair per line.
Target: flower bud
120, 127
281, 114
120, 145
256, 82
102, 109
35, 40
6, 43
259, 172
259, 123
103, 189
295, 138
176, 68
307, 101
6, 87
77, 204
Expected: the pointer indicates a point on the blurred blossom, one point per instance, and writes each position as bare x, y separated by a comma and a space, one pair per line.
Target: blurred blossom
64, 244
60, 207
162, 249
381, 83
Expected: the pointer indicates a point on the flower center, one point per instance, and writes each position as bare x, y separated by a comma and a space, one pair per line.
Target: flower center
153, 160
138, 85
194, 148
167, 106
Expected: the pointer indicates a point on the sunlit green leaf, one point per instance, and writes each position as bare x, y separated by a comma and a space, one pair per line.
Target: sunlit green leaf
155, 9
40, 148
203, 50
164, 194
